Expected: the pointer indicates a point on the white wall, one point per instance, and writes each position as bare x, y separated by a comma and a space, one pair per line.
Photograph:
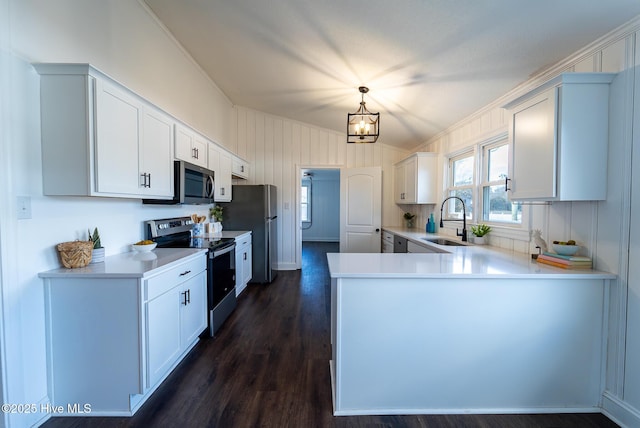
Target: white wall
124, 41
278, 147
325, 208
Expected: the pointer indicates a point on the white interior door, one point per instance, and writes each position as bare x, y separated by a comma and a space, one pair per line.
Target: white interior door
360, 209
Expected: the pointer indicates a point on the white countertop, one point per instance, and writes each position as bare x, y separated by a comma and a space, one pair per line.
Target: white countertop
129, 265
469, 261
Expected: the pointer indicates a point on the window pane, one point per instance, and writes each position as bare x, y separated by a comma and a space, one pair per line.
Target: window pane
304, 212
454, 206
497, 206
498, 162
304, 194
463, 171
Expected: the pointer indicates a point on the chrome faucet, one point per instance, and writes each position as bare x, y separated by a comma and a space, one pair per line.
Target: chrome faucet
464, 218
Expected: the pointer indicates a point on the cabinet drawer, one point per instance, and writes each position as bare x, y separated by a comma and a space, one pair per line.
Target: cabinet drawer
386, 236
243, 240
165, 281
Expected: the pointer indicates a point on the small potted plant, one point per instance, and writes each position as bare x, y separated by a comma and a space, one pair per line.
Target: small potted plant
216, 216
409, 218
479, 231
97, 255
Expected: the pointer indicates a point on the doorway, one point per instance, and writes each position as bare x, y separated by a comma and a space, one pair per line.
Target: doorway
317, 208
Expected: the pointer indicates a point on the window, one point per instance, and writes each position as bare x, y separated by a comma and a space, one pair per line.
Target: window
305, 201
461, 179
496, 206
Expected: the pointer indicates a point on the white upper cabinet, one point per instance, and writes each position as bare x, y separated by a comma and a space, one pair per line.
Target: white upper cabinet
220, 164
240, 168
559, 137
190, 146
157, 146
99, 138
416, 179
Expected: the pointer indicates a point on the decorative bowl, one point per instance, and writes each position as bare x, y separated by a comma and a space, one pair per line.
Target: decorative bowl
566, 250
144, 248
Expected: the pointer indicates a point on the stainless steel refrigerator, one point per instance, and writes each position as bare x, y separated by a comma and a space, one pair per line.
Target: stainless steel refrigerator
253, 207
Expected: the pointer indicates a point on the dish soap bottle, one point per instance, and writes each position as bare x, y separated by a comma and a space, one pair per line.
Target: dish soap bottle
431, 224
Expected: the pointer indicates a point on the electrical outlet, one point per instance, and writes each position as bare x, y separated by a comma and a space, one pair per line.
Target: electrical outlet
24, 207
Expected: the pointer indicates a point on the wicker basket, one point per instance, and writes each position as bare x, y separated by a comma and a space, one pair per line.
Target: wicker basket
75, 254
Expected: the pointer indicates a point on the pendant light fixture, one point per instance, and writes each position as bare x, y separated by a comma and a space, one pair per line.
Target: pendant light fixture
363, 126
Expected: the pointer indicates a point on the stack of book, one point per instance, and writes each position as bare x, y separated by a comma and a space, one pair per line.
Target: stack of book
566, 262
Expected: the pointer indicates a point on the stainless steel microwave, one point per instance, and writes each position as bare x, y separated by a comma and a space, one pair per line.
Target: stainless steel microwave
192, 184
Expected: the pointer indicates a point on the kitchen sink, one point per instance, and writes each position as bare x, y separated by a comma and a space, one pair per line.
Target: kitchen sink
443, 241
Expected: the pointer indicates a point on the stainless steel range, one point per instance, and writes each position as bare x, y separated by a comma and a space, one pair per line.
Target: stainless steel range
221, 271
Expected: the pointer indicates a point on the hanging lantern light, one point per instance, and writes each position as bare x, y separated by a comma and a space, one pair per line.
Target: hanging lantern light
363, 126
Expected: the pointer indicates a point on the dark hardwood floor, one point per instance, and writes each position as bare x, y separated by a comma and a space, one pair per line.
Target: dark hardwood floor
269, 367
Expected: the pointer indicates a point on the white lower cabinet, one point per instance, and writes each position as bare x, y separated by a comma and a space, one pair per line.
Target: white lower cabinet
113, 336
387, 242
244, 271
174, 321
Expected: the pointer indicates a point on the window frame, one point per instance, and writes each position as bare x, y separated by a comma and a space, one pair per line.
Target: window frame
518, 231
484, 182
305, 184
451, 188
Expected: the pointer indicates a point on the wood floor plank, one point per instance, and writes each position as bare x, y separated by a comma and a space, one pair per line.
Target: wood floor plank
269, 367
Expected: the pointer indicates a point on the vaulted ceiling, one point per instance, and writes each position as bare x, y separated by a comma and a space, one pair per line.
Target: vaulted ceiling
427, 63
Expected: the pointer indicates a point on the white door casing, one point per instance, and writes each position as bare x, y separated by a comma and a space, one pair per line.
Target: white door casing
360, 209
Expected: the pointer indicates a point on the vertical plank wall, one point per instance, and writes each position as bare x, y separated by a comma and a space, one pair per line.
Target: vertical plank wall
277, 147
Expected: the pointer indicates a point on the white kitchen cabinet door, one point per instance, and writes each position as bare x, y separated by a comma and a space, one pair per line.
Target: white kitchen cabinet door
244, 271
156, 154
99, 138
190, 146
193, 309
399, 177
559, 140
387, 242
117, 127
240, 168
416, 179
163, 335
533, 148
220, 163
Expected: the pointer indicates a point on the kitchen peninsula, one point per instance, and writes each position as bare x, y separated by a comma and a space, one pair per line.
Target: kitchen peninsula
468, 329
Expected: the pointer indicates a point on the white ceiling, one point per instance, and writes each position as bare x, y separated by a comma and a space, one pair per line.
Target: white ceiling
428, 63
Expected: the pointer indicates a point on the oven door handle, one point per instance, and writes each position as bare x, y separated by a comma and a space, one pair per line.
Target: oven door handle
223, 251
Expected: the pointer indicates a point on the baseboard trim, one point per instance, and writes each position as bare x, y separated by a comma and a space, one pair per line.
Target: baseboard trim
286, 266
619, 411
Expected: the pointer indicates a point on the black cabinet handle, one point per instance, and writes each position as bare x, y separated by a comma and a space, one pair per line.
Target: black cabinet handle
185, 273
